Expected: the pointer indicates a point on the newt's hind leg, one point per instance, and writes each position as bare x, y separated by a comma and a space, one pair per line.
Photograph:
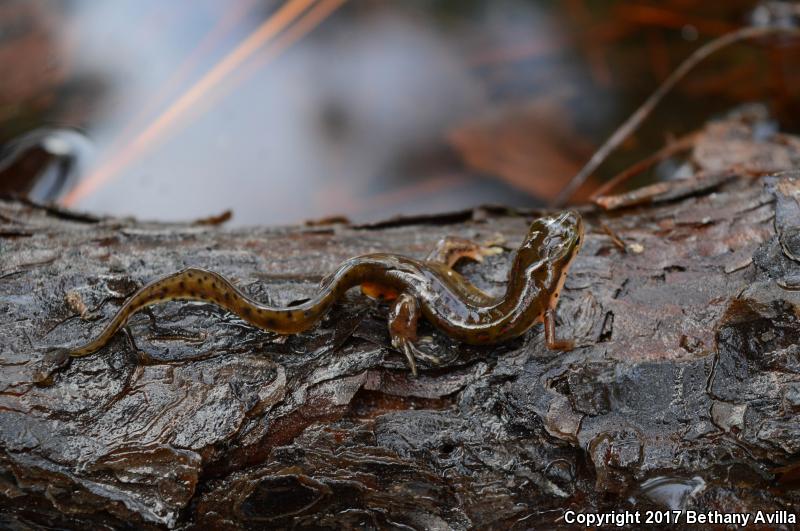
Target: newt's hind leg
403, 329
450, 250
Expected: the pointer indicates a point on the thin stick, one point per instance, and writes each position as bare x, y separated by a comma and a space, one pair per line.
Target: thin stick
676, 146
625, 130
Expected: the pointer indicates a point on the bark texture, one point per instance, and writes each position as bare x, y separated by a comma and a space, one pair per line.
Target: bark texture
683, 391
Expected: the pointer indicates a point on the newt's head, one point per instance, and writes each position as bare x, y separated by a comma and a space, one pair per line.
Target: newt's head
552, 242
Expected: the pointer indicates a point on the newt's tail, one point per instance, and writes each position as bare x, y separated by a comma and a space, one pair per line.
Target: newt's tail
195, 284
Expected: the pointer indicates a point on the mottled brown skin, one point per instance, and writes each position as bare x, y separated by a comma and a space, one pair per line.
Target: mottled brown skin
428, 288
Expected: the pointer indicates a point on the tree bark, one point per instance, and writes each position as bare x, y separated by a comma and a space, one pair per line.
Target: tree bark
683, 391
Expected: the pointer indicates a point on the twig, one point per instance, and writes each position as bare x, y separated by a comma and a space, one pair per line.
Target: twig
625, 130
616, 240
676, 146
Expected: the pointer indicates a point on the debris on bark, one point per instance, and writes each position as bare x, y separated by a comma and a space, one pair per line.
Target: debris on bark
683, 391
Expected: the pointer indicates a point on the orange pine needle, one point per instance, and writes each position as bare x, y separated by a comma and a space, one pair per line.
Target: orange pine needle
272, 26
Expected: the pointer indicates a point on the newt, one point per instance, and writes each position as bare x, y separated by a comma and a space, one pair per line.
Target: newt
428, 288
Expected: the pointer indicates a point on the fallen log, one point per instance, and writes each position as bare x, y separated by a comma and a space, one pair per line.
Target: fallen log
683, 391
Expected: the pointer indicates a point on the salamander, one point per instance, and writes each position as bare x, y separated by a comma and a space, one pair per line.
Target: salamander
428, 288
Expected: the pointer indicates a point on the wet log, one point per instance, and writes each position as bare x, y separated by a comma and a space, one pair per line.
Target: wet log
683, 391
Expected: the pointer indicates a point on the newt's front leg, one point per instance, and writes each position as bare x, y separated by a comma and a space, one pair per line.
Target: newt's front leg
554, 343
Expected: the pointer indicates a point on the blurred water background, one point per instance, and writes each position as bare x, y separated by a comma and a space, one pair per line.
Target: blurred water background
304, 109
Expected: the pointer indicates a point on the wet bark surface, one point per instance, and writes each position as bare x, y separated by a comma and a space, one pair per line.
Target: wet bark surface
683, 390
